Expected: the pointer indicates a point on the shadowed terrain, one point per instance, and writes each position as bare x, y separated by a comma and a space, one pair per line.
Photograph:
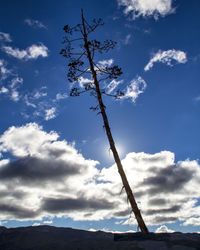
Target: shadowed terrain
53, 238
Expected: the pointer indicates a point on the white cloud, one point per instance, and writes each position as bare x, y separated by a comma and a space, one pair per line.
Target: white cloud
5, 37
38, 104
127, 39
16, 82
32, 98
47, 222
48, 171
4, 72
147, 8
165, 190
34, 23
134, 89
39, 93
60, 96
48, 177
105, 63
32, 52
15, 96
50, 113
10, 89
194, 221
83, 80
10, 140
36, 224
167, 57
113, 85
3, 90
29, 102
164, 229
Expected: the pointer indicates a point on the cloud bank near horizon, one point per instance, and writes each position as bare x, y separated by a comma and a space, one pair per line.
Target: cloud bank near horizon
45, 176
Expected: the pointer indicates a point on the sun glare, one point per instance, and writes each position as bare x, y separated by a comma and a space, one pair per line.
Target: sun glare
108, 153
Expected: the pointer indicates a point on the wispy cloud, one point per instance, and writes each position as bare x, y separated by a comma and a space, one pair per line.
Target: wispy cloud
40, 93
4, 90
106, 63
50, 113
197, 98
113, 85
35, 23
150, 8
14, 86
16, 82
15, 95
134, 89
61, 96
127, 39
167, 57
4, 72
5, 37
32, 52
11, 89
39, 104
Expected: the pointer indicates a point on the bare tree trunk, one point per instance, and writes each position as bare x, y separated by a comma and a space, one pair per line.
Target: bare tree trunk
126, 185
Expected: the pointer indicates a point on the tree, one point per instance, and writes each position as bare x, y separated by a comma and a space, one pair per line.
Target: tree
81, 58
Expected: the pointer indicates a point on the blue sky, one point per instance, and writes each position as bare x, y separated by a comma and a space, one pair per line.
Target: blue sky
156, 124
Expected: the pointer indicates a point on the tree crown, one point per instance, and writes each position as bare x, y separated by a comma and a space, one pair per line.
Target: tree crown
77, 45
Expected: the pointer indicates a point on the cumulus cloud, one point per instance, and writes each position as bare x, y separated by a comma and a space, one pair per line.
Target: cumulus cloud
164, 229
46, 165
72, 204
134, 89
150, 8
10, 140
32, 52
167, 57
51, 178
195, 221
5, 37
163, 198
34, 23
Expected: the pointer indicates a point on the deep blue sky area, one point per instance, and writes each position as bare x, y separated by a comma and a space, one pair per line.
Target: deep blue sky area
164, 116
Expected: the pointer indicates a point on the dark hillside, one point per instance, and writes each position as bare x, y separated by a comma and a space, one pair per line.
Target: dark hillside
53, 238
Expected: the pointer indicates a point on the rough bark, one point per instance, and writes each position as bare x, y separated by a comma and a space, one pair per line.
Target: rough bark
125, 182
